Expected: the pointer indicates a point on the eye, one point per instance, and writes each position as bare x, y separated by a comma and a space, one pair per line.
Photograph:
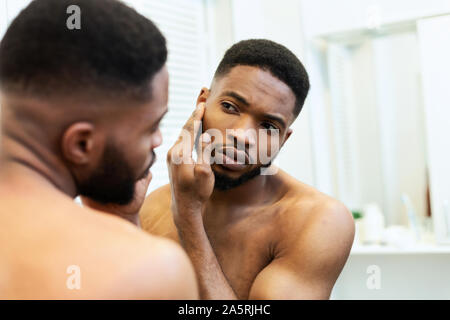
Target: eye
229, 107
268, 126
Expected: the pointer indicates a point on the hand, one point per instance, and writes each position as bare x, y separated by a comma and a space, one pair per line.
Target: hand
129, 211
191, 183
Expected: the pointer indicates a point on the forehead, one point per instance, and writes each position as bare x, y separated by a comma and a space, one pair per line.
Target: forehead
155, 107
259, 87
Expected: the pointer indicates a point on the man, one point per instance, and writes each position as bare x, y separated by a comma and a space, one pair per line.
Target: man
249, 235
80, 116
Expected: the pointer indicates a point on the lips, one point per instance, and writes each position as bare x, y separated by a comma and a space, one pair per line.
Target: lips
236, 161
147, 170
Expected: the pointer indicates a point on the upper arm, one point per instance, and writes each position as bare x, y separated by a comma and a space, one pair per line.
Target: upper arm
311, 264
180, 278
167, 275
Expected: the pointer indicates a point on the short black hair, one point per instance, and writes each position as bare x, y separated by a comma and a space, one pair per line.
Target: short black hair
117, 51
272, 57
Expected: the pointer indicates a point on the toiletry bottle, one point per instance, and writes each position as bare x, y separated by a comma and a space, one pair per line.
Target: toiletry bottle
373, 224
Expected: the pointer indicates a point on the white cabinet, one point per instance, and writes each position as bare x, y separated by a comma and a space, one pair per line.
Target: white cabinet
434, 42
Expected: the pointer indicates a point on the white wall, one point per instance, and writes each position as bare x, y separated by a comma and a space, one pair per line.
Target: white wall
330, 16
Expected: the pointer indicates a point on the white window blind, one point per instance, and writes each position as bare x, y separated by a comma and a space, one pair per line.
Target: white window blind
183, 24
3, 17
9, 9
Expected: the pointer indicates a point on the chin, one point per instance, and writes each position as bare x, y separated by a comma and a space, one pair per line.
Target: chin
230, 173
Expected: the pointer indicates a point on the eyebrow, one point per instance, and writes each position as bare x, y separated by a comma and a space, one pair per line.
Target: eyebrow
237, 97
246, 103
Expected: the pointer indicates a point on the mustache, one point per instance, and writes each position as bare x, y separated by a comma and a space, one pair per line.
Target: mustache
222, 148
146, 171
153, 159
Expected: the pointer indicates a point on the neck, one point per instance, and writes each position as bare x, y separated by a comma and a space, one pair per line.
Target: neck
22, 158
251, 192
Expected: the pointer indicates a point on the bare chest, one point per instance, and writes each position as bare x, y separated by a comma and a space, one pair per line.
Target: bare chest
243, 249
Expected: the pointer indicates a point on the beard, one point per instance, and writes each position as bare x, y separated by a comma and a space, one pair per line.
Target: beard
113, 181
222, 182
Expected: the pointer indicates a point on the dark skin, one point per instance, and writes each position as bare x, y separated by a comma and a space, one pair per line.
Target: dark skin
272, 237
47, 146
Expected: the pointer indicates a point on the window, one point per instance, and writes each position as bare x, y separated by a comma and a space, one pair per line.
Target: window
183, 24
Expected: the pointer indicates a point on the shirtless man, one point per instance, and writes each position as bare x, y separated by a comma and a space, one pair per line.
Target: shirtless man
251, 236
80, 116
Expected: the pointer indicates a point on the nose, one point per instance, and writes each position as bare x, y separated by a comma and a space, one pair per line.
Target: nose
157, 139
243, 134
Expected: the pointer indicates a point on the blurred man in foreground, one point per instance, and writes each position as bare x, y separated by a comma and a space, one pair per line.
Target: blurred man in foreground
80, 115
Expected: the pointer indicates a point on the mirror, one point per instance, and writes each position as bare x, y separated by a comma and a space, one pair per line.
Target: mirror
376, 105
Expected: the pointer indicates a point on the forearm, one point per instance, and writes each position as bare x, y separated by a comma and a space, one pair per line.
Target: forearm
213, 284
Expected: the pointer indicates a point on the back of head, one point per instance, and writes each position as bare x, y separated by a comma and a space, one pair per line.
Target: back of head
71, 96
116, 51
272, 57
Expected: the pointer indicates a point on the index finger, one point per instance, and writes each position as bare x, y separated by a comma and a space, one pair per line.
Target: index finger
192, 126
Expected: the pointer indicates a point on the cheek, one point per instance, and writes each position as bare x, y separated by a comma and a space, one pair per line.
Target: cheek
268, 147
216, 123
142, 151
215, 118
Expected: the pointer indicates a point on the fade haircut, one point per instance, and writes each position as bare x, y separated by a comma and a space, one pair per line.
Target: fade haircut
272, 57
116, 52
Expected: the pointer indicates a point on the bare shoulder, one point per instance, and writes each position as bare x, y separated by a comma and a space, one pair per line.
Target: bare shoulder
112, 258
164, 271
137, 265
156, 203
314, 237
309, 213
156, 215
159, 198
132, 264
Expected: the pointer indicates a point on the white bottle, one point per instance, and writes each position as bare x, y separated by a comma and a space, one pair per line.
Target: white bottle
373, 224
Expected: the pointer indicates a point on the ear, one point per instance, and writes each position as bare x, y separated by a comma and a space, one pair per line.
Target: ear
78, 143
203, 96
288, 134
